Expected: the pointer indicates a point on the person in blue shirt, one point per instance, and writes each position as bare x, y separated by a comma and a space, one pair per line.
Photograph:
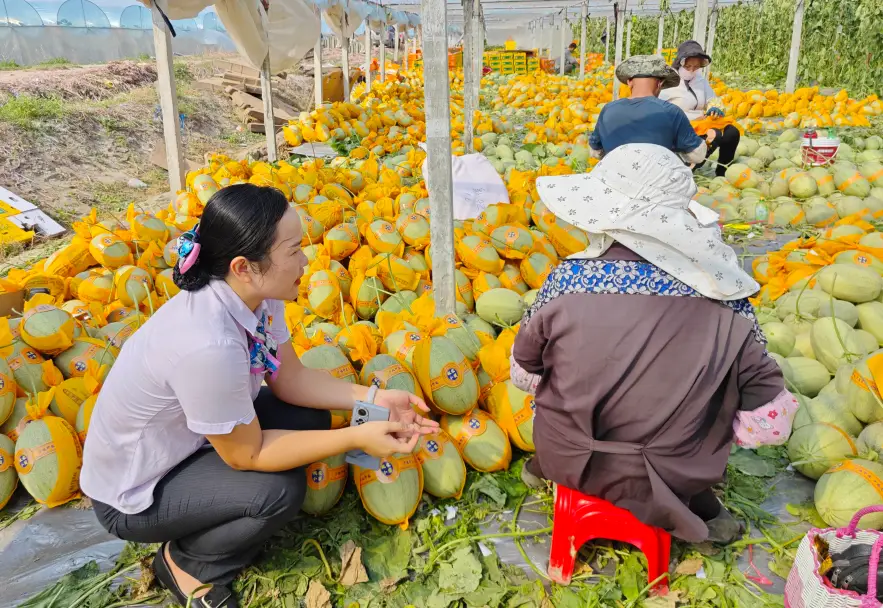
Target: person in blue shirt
643, 118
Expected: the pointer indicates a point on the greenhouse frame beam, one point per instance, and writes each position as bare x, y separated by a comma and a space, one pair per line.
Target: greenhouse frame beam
628, 38
267, 95
478, 63
660, 34
168, 99
620, 22
367, 58
582, 40
317, 67
700, 22
794, 54
438, 154
468, 73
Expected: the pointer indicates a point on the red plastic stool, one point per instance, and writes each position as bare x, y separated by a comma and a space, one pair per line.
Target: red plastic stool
580, 518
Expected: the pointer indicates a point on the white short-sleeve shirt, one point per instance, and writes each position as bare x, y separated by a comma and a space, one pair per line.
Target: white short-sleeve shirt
183, 375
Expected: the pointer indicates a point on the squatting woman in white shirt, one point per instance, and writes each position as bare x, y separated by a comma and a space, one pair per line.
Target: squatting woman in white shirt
185, 446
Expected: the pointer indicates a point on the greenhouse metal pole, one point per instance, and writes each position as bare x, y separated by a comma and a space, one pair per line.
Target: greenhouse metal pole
468, 74
168, 99
563, 44
582, 40
620, 22
367, 57
269, 117
700, 21
660, 33
674, 40
478, 63
607, 42
712, 30
405, 50
438, 154
395, 56
628, 39
794, 55
383, 52
317, 67
345, 66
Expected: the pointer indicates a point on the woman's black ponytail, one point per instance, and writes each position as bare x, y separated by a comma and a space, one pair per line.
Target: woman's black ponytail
237, 221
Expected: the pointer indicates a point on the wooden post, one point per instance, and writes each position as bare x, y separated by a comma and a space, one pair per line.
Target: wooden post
659, 34
367, 58
794, 54
345, 66
607, 42
563, 28
317, 68
628, 39
700, 21
269, 118
168, 99
468, 74
582, 39
620, 24
438, 154
383, 52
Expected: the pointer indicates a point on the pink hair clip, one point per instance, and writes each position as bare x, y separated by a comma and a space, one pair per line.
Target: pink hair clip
188, 249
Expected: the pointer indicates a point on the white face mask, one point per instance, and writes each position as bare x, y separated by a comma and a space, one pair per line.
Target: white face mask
686, 75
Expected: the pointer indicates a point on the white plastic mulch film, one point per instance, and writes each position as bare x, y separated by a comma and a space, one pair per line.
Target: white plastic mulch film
289, 30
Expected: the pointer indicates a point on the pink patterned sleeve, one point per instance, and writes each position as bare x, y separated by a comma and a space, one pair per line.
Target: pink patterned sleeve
523, 379
769, 424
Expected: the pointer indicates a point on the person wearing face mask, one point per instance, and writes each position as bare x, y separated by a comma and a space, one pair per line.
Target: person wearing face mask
643, 118
696, 98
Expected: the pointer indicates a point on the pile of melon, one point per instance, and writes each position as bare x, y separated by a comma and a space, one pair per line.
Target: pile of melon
826, 333
769, 182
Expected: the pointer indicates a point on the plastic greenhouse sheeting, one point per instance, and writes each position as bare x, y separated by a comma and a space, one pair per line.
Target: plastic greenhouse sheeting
36, 552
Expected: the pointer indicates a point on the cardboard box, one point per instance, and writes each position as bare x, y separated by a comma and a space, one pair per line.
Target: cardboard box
11, 304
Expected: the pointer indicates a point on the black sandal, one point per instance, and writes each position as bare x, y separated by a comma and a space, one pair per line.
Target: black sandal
219, 596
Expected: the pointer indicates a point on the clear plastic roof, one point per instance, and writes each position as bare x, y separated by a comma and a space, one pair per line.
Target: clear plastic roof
520, 13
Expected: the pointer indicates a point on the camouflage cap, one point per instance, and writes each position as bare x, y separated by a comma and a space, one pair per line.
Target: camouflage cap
647, 66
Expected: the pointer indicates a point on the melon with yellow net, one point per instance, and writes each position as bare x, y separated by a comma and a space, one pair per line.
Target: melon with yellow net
17, 419
324, 293
386, 372
445, 375
414, 229
74, 362
165, 283
326, 481
513, 409
367, 295
68, 398
477, 253
110, 251
96, 288
47, 328
332, 361
8, 389
341, 241
847, 488
8, 475
383, 237
483, 444
444, 472
392, 493
132, 285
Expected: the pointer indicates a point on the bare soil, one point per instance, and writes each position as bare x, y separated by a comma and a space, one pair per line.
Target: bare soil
86, 151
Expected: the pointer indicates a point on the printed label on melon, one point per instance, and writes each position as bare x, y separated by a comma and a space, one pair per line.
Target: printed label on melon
452, 376
388, 472
431, 450
848, 465
526, 412
473, 427
381, 377
319, 475
26, 458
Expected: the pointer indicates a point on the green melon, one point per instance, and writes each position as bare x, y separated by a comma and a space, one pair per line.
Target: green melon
808, 375
848, 488
51, 478
445, 375
867, 340
483, 444
17, 420
815, 448
326, 481
856, 384
84, 417
367, 295
870, 319
871, 440
477, 324
780, 338
330, 359
501, 307
47, 328
27, 368
845, 311
8, 474
464, 290
8, 389
400, 301
386, 372
68, 399
73, 362
392, 493
444, 472
850, 282
116, 334
831, 408
834, 343
859, 258
463, 336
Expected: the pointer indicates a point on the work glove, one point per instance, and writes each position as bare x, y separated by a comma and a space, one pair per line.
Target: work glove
714, 112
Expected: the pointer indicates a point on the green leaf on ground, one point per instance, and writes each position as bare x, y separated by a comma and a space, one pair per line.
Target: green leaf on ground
750, 463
